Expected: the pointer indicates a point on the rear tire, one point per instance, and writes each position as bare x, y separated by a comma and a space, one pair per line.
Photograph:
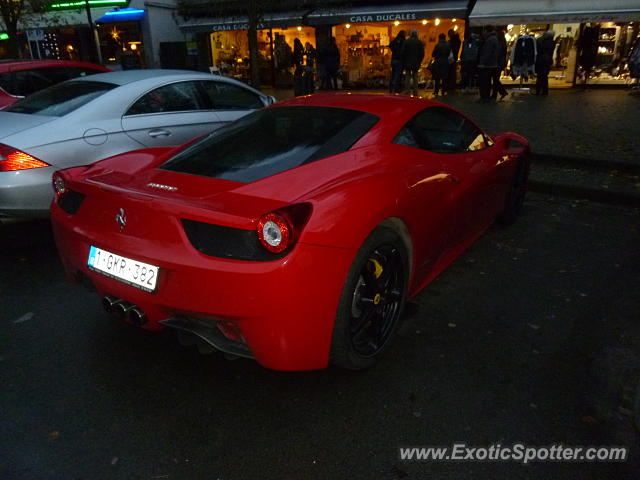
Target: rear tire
372, 301
516, 195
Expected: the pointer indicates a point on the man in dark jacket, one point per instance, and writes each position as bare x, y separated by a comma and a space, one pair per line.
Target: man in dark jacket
412, 55
440, 68
487, 62
330, 57
545, 46
396, 47
496, 84
455, 43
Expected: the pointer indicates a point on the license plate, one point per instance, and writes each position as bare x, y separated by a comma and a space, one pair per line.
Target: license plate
132, 272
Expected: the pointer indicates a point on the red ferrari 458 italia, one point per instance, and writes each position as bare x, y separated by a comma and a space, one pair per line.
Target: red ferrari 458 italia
294, 235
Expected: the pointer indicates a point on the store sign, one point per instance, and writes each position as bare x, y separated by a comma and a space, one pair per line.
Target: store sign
383, 17
235, 26
4, 36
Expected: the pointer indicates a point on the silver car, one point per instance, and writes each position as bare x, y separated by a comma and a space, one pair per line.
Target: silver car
87, 119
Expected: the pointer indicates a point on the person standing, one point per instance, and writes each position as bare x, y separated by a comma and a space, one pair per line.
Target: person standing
441, 64
331, 58
469, 61
487, 62
412, 55
496, 84
310, 61
396, 47
454, 43
545, 47
298, 63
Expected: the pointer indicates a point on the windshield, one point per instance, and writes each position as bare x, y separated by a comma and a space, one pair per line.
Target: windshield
60, 99
271, 141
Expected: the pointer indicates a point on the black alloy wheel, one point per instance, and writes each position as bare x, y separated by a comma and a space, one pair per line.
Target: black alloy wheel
376, 300
372, 301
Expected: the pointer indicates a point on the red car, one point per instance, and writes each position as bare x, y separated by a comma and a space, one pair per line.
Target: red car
294, 235
20, 78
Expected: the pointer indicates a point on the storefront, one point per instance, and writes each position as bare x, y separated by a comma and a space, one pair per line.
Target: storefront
120, 35
363, 35
593, 38
228, 44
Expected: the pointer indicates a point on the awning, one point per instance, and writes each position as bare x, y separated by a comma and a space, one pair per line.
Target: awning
121, 15
241, 22
503, 12
389, 13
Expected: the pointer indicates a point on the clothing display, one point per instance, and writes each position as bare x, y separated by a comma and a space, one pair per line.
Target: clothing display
564, 44
523, 57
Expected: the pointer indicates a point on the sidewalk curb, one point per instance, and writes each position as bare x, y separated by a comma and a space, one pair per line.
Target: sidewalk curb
596, 195
543, 158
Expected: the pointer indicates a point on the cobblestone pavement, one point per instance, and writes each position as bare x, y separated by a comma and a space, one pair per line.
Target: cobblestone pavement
593, 124
498, 348
596, 124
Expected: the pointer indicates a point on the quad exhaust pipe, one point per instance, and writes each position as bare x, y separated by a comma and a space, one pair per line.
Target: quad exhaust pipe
123, 310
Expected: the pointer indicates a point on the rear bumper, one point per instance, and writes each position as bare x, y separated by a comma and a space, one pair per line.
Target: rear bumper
284, 308
26, 193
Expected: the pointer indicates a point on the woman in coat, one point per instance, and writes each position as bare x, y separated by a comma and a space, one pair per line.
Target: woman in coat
441, 61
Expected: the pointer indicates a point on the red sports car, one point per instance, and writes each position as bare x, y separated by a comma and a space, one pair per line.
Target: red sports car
294, 235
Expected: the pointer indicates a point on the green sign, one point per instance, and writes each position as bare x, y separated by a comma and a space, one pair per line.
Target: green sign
92, 3
4, 36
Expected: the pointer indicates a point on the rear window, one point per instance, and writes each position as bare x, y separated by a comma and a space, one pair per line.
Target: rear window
61, 99
271, 141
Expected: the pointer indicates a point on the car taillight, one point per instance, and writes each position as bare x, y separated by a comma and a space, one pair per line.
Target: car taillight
12, 160
279, 230
59, 184
274, 232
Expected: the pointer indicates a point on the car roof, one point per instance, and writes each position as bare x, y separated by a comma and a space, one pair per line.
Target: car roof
11, 64
124, 77
379, 104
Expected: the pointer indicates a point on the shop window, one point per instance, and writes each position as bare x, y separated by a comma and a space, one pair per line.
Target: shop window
441, 130
225, 96
175, 97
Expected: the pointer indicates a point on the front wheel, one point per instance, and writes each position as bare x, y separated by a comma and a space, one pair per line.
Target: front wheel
372, 301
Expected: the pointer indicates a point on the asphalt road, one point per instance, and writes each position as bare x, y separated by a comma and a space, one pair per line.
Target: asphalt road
498, 349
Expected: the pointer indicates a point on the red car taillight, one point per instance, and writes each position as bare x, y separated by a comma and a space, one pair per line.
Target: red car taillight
279, 230
274, 232
12, 160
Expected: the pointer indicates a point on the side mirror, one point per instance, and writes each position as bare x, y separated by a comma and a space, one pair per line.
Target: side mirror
510, 144
269, 100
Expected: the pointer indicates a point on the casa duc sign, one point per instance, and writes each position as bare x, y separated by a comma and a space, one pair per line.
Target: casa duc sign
383, 17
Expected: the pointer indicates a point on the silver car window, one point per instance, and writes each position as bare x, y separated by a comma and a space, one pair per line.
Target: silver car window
225, 96
175, 97
60, 99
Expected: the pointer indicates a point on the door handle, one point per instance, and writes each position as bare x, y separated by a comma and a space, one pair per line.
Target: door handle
159, 133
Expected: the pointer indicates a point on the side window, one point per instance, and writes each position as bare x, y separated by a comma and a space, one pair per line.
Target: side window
225, 96
441, 130
175, 97
6, 82
30, 81
75, 72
